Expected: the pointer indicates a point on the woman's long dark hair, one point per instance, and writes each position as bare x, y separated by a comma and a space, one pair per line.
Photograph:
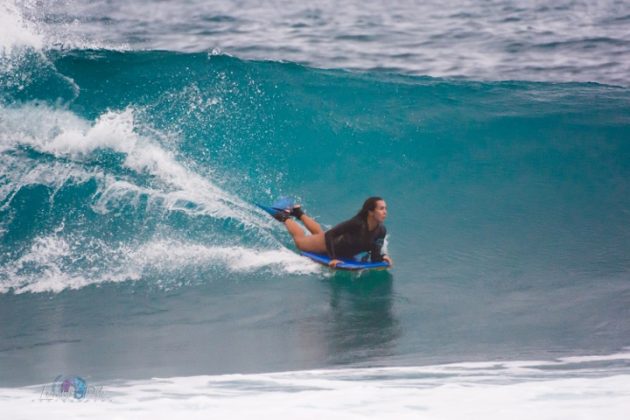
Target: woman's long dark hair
368, 205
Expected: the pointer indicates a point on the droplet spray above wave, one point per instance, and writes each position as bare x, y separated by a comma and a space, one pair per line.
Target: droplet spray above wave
65, 135
17, 31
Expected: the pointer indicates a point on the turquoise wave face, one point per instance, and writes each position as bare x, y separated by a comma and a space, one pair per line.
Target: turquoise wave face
120, 159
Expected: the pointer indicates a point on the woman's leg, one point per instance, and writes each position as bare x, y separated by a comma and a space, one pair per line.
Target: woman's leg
310, 243
311, 224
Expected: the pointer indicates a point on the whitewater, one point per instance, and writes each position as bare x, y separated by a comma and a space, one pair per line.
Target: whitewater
136, 138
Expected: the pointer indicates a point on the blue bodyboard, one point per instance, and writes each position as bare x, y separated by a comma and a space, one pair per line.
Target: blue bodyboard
346, 264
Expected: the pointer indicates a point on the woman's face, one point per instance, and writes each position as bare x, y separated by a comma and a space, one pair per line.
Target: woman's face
380, 211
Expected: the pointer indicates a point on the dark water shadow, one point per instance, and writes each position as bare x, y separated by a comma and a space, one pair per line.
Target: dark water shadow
362, 323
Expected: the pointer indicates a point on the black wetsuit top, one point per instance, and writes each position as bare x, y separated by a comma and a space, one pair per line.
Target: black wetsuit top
352, 237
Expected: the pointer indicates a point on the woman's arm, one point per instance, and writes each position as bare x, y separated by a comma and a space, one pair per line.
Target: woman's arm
376, 251
388, 260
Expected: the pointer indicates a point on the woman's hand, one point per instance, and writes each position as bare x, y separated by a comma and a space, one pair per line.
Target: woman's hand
333, 263
388, 260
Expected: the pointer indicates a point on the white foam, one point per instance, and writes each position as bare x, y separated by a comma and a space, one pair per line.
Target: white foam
489, 390
17, 32
50, 263
587, 359
174, 255
48, 266
20, 172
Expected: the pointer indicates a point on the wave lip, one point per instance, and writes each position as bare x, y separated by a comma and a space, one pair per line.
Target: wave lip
576, 42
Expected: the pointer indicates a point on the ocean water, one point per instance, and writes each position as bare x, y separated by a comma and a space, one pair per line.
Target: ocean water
136, 136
